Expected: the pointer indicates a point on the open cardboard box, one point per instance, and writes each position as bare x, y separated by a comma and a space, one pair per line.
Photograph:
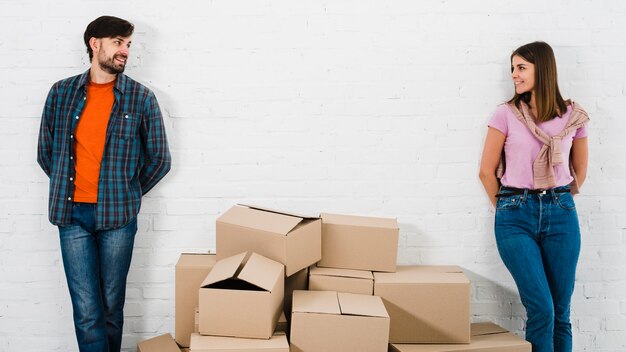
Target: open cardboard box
242, 296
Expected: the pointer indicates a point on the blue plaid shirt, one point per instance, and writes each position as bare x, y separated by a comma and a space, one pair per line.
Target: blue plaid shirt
136, 154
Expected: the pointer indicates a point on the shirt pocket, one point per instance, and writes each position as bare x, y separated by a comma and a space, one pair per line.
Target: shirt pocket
126, 126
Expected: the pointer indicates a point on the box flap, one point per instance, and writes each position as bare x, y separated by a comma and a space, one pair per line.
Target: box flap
260, 219
353, 220
325, 302
224, 269
350, 273
163, 343
422, 274
278, 341
365, 305
262, 272
486, 328
304, 216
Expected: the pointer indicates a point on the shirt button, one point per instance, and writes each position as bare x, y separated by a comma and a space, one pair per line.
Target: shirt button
84, 98
71, 179
76, 117
71, 158
69, 198
71, 136
125, 116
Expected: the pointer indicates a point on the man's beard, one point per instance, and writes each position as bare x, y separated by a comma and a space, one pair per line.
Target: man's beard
109, 65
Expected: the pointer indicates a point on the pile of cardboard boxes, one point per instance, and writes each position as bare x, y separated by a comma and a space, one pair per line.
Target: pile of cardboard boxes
286, 282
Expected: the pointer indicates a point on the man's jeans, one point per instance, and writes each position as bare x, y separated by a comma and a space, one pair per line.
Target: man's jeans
538, 238
96, 265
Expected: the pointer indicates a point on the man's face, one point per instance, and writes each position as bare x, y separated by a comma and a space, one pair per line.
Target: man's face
112, 53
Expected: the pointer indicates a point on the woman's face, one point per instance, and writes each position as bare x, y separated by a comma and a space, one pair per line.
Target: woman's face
522, 74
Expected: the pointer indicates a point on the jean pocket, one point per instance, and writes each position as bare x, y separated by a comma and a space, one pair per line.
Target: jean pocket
565, 201
509, 202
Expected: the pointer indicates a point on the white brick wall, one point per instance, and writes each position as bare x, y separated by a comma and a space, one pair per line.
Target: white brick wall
364, 107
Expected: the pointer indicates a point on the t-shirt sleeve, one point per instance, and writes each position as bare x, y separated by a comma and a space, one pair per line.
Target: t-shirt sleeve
581, 132
498, 120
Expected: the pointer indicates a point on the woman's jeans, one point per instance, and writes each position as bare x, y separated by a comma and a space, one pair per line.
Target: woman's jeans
96, 266
538, 238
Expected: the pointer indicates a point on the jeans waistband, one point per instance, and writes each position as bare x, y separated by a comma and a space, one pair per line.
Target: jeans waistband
512, 191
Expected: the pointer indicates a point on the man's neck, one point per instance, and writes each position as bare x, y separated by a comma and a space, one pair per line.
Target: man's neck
97, 75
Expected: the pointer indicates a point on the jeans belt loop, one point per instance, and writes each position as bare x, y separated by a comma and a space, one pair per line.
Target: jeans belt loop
525, 195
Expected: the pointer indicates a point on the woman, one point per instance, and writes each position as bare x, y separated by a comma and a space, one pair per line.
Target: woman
534, 160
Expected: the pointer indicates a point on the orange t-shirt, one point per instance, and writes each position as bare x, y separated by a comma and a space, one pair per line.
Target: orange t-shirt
90, 136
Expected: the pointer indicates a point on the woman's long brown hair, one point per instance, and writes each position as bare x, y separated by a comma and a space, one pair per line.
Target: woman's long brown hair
548, 98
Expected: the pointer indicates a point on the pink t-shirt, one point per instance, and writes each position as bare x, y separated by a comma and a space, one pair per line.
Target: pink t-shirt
521, 147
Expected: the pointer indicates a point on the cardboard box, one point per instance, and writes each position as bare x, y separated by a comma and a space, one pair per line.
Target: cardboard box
191, 269
282, 324
427, 304
276, 343
328, 321
486, 337
291, 239
358, 242
341, 280
196, 321
163, 343
242, 296
297, 281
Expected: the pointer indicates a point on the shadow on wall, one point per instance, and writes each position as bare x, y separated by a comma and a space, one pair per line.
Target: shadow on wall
496, 301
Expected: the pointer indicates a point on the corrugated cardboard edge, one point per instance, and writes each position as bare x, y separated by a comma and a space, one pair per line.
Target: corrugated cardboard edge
257, 207
337, 272
486, 328
397, 277
359, 220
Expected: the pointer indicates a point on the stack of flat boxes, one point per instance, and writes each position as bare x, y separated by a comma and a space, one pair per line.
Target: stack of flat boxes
353, 297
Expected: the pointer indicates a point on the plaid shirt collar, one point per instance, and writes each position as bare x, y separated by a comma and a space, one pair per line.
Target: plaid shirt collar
120, 81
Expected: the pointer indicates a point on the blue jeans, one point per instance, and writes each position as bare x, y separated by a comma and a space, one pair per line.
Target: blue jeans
96, 266
538, 238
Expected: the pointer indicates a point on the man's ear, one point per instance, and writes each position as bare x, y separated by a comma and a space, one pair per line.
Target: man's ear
94, 43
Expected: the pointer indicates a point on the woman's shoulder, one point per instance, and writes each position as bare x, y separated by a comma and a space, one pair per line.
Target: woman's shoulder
574, 107
503, 110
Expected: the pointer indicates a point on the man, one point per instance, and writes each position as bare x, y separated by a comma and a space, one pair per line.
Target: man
102, 143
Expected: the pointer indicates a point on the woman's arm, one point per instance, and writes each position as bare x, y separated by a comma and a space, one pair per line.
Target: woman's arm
580, 158
494, 142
